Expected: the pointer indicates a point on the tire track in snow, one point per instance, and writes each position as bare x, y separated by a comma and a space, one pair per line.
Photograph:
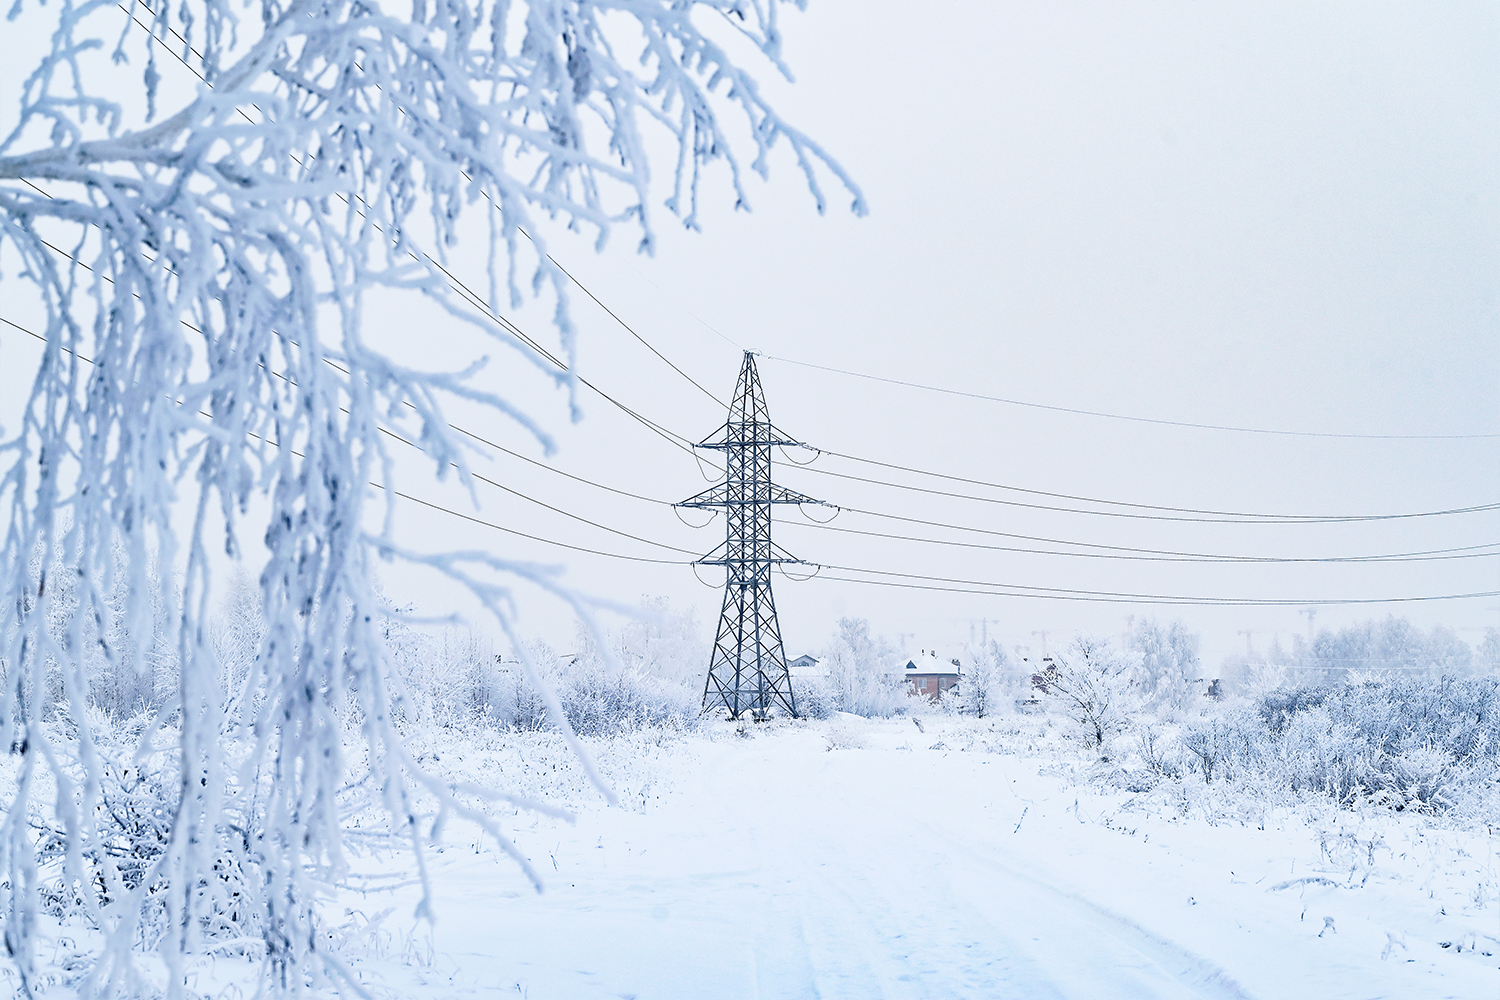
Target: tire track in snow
883, 929
783, 964
1205, 979
959, 915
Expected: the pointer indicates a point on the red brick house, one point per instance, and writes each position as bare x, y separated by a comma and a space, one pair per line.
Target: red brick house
931, 674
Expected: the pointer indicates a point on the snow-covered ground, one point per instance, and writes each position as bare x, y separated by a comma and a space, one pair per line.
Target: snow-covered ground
850, 858
859, 859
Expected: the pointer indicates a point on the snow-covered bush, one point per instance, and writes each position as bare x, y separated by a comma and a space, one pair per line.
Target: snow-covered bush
815, 697
1411, 743
1216, 745
663, 642
600, 696
600, 699
1161, 755
1091, 681
988, 684
597, 697
109, 873
1168, 673
862, 674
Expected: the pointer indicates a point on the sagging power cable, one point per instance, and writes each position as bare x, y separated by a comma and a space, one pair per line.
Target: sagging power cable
1134, 419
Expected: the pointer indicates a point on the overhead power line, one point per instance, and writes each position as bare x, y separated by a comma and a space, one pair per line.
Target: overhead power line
923, 582
1249, 515
1132, 553
548, 506
1111, 552
627, 327
1107, 597
1134, 419
1267, 519
1077, 411
538, 538
1210, 515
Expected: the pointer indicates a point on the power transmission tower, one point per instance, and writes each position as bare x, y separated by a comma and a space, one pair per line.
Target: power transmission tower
747, 671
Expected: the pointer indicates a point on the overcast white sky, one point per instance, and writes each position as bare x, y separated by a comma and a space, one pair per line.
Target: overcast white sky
1275, 216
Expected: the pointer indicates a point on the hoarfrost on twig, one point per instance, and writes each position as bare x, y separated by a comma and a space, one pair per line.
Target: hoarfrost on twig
203, 273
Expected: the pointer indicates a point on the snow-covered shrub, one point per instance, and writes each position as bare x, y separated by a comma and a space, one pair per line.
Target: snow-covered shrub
988, 685
862, 676
663, 642
110, 873
1386, 646
815, 698
604, 700
1216, 746
1411, 743
598, 698
1091, 680
1279, 706
1168, 672
1161, 755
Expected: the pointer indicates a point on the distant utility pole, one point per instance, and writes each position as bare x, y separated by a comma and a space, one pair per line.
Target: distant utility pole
1249, 652
1043, 634
1311, 613
747, 671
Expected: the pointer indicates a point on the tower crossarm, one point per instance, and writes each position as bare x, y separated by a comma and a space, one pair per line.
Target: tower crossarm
748, 433
727, 554
717, 495
780, 494
721, 495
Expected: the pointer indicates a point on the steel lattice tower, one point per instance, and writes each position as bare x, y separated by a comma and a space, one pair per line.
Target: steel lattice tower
747, 671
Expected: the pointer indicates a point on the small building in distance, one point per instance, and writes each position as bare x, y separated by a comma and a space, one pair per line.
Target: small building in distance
806, 666
932, 673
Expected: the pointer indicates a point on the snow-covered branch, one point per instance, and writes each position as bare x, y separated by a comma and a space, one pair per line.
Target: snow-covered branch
202, 267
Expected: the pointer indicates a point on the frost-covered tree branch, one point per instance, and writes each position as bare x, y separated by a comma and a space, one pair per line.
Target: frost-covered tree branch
202, 267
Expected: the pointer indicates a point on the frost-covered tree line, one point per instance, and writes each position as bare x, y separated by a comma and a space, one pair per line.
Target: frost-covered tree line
196, 199
1407, 720
1381, 646
1390, 716
861, 673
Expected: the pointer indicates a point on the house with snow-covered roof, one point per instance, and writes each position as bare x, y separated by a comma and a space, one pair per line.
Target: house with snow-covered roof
807, 666
932, 672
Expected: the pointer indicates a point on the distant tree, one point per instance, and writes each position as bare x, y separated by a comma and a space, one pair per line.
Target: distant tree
1392, 645
238, 631
1092, 681
1169, 667
1447, 653
863, 678
987, 682
1489, 651
665, 642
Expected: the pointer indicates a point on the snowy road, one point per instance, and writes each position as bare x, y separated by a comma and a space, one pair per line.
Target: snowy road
775, 868
868, 892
